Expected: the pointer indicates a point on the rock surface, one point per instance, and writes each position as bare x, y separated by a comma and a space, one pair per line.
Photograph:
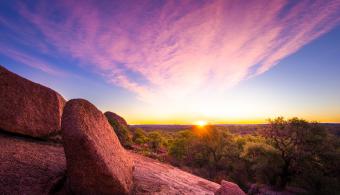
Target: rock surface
96, 161
116, 117
121, 128
229, 188
29, 166
154, 177
28, 108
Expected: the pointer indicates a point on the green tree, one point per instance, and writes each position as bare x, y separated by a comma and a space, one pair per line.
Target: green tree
210, 148
139, 136
265, 161
302, 147
155, 140
180, 146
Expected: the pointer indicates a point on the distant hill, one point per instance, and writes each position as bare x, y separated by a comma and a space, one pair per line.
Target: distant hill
333, 128
234, 128
167, 128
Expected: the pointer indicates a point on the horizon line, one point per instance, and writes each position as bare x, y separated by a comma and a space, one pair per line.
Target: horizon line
336, 123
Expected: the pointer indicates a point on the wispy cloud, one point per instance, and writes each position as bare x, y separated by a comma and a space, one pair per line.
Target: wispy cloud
176, 49
32, 62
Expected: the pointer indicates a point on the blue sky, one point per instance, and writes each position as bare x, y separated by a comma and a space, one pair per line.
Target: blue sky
216, 61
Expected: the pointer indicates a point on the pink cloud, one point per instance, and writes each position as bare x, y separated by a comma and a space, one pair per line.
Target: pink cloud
174, 50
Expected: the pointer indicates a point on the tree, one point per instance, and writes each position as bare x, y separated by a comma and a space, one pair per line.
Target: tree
211, 147
301, 146
264, 160
139, 136
156, 140
180, 146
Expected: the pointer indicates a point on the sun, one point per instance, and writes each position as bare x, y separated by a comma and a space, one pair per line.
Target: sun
201, 123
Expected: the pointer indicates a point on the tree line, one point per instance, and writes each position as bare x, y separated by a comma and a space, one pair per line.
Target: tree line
282, 154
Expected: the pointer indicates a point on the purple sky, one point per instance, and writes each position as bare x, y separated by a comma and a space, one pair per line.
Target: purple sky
180, 61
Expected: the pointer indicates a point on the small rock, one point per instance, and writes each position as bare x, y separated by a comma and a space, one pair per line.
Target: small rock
229, 188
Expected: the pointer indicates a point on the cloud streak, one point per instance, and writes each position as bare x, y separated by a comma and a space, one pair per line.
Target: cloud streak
33, 62
172, 50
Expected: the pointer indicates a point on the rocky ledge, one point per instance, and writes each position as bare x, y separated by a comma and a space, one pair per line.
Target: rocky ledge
87, 159
29, 166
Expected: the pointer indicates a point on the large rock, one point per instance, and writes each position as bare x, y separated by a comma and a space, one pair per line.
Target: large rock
28, 108
121, 128
229, 188
29, 166
96, 161
157, 178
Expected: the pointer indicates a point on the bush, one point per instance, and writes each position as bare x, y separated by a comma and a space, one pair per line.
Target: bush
155, 141
264, 160
139, 137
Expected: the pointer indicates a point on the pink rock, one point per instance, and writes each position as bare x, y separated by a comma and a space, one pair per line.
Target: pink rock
28, 108
121, 128
154, 177
28, 166
229, 188
116, 117
96, 161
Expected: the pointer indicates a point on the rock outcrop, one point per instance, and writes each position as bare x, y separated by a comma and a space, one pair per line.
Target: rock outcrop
121, 128
154, 177
29, 166
28, 108
96, 161
120, 120
229, 188
91, 159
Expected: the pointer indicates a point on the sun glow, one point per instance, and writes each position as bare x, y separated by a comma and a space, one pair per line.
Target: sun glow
201, 123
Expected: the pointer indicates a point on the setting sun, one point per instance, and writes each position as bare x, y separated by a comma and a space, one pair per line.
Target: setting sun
201, 123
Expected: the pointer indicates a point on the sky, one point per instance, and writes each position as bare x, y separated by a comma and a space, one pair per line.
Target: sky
178, 62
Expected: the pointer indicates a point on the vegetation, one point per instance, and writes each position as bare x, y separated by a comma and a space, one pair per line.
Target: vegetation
284, 153
123, 133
